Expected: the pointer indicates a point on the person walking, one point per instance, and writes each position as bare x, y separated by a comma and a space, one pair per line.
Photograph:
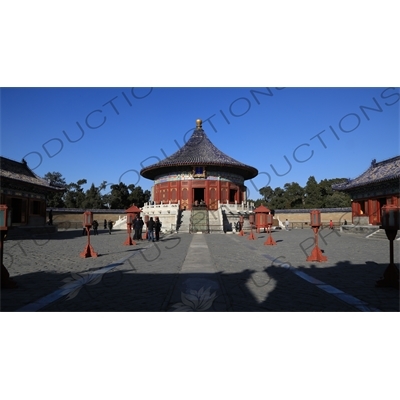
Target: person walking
157, 228
105, 224
95, 226
135, 227
51, 217
287, 224
150, 229
330, 224
110, 225
141, 223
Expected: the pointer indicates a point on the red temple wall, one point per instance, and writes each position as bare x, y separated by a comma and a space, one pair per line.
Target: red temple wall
371, 207
184, 191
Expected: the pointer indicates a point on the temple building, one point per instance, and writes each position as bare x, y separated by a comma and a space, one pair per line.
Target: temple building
199, 174
377, 186
24, 193
198, 188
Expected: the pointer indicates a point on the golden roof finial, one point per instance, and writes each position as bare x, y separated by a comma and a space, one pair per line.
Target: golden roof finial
198, 123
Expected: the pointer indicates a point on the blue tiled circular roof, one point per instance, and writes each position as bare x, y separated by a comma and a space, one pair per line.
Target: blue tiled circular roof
199, 151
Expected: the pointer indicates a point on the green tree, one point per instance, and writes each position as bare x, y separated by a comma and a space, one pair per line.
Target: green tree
312, 194
56, 200
267, 193
337, 199
75, 197
119, 196
137, 196
93, 198
259, 202
294, 195
278, 201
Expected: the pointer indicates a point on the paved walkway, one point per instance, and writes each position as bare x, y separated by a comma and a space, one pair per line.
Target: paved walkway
200, 272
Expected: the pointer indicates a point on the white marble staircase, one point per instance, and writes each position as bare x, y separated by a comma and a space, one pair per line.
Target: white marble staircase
185, 222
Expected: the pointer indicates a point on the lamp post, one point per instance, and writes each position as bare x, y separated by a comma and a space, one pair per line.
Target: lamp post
270, 220
88, 251
391, 223
5, 223
241, 233
316, 254
251, 220
129, 222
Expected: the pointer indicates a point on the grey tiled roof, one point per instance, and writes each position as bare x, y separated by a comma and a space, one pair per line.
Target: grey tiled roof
17, 171
199, 151
378, 172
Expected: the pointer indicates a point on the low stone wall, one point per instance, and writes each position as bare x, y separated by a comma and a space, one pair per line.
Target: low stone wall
298, 219
72, 218
301, 218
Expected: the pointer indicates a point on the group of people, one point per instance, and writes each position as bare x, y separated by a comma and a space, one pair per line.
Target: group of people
137, 227
153, 229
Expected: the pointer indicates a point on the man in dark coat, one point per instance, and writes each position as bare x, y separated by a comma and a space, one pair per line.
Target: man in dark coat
150, 229
135, 227
141, 223
157, 228
95, 226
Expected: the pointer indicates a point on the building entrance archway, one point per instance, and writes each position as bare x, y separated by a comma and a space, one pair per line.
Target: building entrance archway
198, 196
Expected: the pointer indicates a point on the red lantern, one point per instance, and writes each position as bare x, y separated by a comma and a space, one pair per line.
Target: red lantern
315, 216
5, 217
390, 217
391, 223
270, 220
241, 233
88, 251
129, 221
87, 219
315, 222
129, 218
251, 220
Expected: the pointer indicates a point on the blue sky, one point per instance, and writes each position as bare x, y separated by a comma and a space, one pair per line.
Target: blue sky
109, 134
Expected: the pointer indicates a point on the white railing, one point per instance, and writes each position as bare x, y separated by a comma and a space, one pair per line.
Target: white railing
121, 223
161, 208
234, 208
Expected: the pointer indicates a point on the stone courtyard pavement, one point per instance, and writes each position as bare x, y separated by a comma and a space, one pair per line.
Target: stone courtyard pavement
199, 272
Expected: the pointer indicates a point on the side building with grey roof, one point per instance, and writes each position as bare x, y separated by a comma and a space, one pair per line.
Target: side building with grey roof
24, 193
377, 186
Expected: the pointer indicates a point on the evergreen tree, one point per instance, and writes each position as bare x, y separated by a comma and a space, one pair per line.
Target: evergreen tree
312, 195
337, 199
137, 196
93, 198
119, 196
278, 201
75, 197
331, 198
56, 200
267, 193
294, 195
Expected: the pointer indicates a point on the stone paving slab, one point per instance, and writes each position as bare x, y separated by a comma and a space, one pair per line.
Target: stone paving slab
208, 272
354, 264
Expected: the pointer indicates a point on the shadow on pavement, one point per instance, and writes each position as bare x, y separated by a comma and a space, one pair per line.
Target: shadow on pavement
274, 288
